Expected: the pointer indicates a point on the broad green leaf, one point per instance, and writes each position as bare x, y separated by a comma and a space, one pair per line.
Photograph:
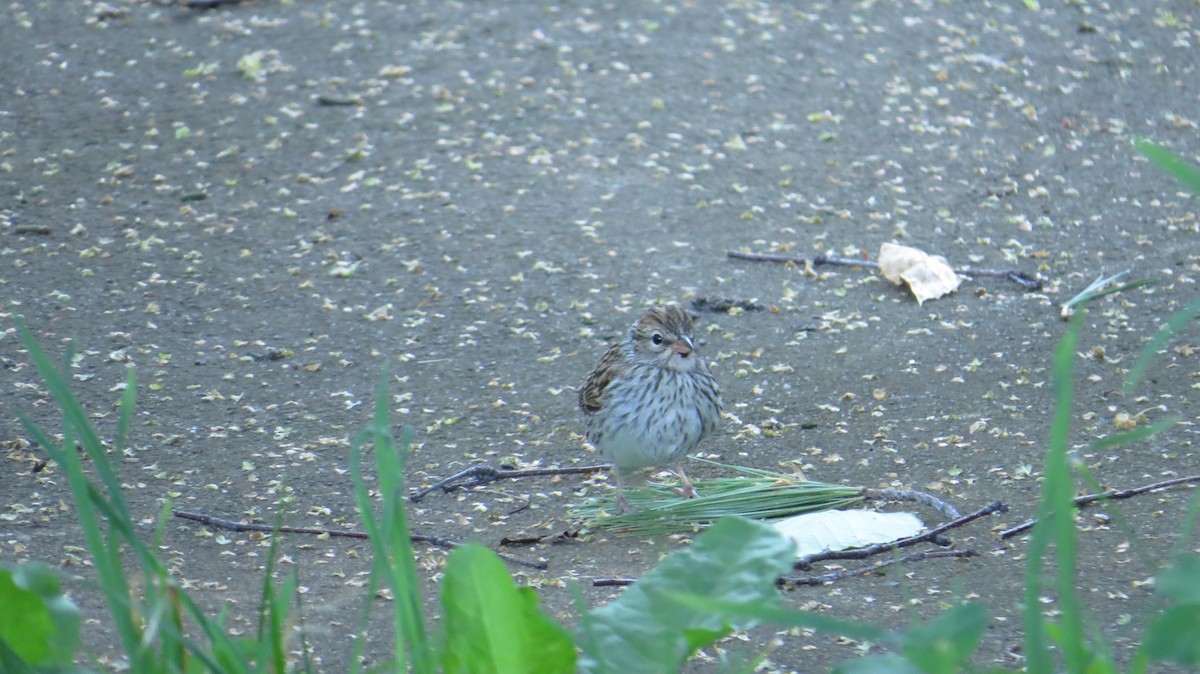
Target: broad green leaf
941, 645
550, 643
494, 628
889, 663
1181, 582
644, 630
741, 659
946, 642
1174, 636
38, 623
699, 637
769, 612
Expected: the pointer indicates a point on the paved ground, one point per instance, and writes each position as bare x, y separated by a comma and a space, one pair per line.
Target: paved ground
259, 205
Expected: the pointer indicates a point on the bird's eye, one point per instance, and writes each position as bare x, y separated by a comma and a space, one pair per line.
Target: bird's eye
657, 339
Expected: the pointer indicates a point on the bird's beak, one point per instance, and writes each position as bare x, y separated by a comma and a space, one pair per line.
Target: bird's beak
683, 346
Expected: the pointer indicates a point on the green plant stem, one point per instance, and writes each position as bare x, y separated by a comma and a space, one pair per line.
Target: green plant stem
393, 565
1173, 325
1055, 517
106, 557
149, 628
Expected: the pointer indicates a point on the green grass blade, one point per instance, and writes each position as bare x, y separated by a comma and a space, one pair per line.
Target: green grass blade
589, 646
157, 647
1189, 176
757, 494
125, 412
104, 548
95, 449
1174, 636
381, 571
308, 666
1170, 163
75, 417
1181, 581
1177, 322
771, 613
946, 643
164, 596
1135, 435
1056, 523
408, 599
1183, 541
271, 611
162, 636
394, 563
277, 624
364, 618
107, 562
1060, 493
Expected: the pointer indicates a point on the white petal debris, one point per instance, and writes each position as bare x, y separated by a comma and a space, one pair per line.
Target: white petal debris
928, 276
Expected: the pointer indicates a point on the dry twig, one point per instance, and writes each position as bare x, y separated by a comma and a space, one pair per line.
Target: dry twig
1106, 496
233, 525
613, 582
1027, 281
826, 578
556, 537
32, 229
931, 536
336, 101
480, 475
209, 4
720, 305
834, 576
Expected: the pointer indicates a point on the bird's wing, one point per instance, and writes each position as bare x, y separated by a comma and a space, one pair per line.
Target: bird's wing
591, 396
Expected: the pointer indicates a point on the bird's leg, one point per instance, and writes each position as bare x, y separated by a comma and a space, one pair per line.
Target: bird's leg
689, 491
622, 504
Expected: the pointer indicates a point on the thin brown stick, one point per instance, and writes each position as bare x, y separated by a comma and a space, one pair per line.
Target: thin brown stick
613, 582
1023, 279
836, 261
233, 525
930, 536
556, 537
335, 101
209, 4
835, 576
721, 305
476, 476
779, 258
32, 229
1106, 496
827, 578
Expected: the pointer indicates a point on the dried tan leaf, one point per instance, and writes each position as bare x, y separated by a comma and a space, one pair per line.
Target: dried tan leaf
928, 276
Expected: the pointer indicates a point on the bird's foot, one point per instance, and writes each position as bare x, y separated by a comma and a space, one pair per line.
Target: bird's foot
623, 507
688, 490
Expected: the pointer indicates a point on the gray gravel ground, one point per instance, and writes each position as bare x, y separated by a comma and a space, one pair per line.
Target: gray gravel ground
259, 205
